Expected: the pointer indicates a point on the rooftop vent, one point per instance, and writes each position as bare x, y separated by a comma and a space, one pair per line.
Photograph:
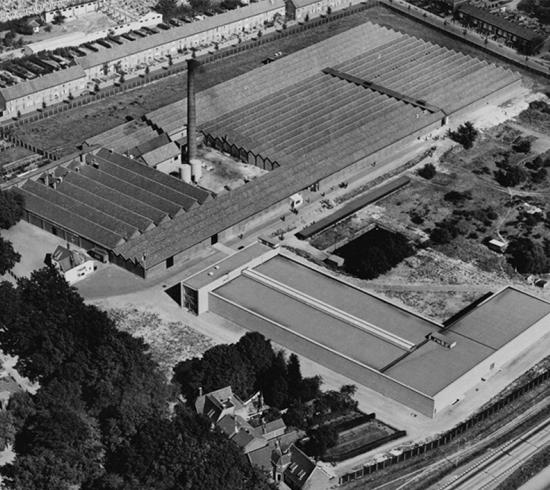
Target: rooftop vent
441, 340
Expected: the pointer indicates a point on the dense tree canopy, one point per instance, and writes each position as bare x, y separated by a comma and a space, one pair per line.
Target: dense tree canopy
11, 208
247, 366
101, 417
527, 256
374, 253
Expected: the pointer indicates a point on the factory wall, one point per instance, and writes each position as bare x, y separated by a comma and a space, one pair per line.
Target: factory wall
485, 369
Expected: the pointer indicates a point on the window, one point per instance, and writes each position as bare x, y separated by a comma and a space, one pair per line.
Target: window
169, 262
214, 239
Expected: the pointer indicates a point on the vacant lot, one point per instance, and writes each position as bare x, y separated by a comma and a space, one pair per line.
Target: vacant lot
489, 191
169, 342
65, 131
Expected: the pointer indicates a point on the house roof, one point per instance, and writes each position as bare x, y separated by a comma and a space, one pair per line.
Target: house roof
67, 259
176, 33
272, 426
498, 21
261, 457
45, 82
300, 468
161, 154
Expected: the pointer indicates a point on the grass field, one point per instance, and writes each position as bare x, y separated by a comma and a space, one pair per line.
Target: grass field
65, 131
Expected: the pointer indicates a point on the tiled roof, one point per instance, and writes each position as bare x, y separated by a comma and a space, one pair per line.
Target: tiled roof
42, 83
187, 30
498, 21
300, 467
272, 426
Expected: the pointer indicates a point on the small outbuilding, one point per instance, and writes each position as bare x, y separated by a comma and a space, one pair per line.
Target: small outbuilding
73, 265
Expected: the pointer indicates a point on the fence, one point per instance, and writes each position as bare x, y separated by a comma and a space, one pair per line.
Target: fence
448, 436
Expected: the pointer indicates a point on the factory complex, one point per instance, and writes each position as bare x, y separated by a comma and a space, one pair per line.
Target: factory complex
312, 119
422, 364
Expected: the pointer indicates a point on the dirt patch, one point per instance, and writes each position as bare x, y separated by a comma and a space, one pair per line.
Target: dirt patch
221, 172
169, 342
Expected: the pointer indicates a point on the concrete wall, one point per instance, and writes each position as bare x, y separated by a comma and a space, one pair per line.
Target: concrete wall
79, 272
323, 355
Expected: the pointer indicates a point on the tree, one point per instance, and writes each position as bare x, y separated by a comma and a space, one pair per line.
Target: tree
230, 4
465, 134
527, 257
294, 377
168, 8
522, 145
511, 176
427, 171
67, 440
7, 429
179, 453
200, 5
539, 176
59, 18
8, 256
12, 207
320, 440
100, 419
374, 253
456, 197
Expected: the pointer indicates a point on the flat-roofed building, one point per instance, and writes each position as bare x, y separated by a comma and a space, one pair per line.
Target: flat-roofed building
418, 362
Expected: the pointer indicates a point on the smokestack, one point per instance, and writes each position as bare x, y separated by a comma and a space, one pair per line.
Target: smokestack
192, 66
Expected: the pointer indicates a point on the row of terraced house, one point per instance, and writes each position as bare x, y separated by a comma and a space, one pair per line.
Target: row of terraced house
128, 56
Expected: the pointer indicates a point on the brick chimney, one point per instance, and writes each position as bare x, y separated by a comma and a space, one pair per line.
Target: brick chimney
192, 66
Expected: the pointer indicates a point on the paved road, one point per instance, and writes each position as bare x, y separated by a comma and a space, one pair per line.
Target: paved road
487, 472
539, 482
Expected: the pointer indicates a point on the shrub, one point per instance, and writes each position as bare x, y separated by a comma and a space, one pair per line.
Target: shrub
427, 171
456, 197
522, 145
416, 218
539, 176
444, 232
511, 176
